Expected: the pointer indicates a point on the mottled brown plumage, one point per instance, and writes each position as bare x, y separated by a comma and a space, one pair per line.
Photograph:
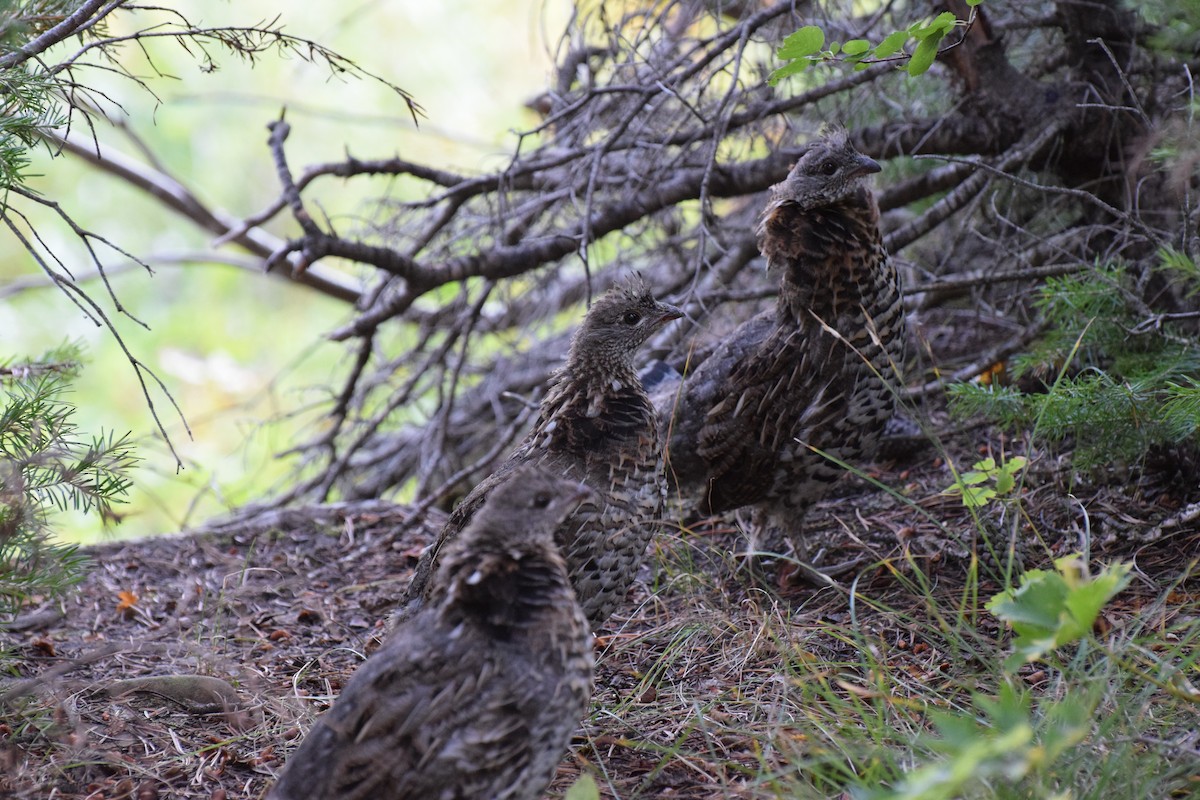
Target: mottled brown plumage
478, 693
595, 425
812, 373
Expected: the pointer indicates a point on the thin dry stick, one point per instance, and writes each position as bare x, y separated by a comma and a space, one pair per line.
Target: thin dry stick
89, 306
971, 187
174, 195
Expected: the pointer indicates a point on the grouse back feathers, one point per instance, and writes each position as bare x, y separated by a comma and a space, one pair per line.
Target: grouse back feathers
596, 425
478, 693
813, 374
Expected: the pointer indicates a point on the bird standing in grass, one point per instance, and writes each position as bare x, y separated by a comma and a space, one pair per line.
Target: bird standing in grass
817, 373
479, 692
598, 426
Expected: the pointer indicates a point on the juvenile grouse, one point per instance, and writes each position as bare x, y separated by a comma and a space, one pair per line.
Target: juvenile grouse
478, 694
814, 373
596, 425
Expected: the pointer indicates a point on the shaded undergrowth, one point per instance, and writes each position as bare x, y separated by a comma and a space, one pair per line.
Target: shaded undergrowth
894, 684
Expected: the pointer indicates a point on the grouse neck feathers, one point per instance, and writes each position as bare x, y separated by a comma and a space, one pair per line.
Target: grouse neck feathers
812, 374
595, 425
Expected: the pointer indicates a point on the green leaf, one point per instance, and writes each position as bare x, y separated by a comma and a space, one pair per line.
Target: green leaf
1009, 709
1068, 723
1011, 736
891, 43
584, 788
938, 27
1052, 609
1084, 602
1032, 608
804, 42
793, 68
972, 478
923, 56
977, 496
945, 21
973, 3
856, 47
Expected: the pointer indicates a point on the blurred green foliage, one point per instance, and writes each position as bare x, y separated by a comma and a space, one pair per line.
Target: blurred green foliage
913, 48
46, 463
244, 354
1119, 378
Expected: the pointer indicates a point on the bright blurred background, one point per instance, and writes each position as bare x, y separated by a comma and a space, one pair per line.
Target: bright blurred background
244, 354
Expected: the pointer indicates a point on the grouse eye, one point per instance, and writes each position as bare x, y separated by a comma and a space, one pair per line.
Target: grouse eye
631, 318
829, 167
541, 500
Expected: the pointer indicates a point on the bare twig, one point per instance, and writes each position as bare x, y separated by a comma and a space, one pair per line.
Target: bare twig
81, 19
174, 195
86, 304
972, 186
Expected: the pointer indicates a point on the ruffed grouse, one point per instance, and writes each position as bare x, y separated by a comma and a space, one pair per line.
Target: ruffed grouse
478, 694
816, 373
596, 425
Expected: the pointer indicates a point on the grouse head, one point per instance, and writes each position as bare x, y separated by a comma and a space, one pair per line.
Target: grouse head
527, 507
617, 324
830, 171
505, 570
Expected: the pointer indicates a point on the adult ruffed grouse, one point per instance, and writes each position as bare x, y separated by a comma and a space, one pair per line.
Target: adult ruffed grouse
479, 692
596, 425
816, 373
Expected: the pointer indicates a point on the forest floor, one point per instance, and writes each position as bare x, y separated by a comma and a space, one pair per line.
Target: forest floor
707, 679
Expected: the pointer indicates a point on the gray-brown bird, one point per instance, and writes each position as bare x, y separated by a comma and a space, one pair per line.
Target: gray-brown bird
478, 693
816, 373
598, 426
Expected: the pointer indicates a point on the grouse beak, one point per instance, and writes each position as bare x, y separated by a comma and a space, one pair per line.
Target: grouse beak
866, 166
580, 492
670, 312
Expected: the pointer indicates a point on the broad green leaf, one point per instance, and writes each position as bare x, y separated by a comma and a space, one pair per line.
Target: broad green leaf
973, 3
987, 464
938, 27
1010, 708
971, 478
945, 21
1010, 736
923, 32
1084, 603
795, 67
1052, 609
1068, 723
584, 788
1005, 482
1026, 651
804, 42
974, 755
977, 496
856, 47
923, 56
1031, 609
891, 43
833, 48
